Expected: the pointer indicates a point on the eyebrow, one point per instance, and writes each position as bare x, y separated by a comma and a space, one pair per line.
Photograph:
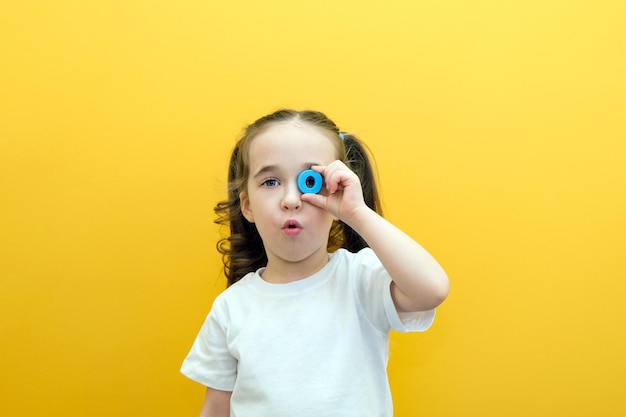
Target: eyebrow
265, 169
272, 167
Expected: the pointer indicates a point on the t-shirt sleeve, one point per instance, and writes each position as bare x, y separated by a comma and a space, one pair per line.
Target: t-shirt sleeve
375, 294
414, 321
209, 361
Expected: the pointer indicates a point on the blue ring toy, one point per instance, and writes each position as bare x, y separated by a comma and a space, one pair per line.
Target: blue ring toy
304, 181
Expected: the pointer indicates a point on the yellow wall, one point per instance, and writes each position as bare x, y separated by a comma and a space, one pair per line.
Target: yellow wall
500, 136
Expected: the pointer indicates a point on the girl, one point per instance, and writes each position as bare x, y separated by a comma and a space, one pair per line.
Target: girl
316, 281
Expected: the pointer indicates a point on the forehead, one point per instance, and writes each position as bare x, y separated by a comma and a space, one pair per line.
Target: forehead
291, 143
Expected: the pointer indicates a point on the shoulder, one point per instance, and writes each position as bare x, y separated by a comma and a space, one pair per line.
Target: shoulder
234, 293
363, 262
362, 270
364, 256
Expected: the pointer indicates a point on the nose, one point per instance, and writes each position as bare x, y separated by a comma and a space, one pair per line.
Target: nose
291, 197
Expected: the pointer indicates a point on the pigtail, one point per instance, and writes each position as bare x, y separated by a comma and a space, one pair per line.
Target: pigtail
358, 160
242, 251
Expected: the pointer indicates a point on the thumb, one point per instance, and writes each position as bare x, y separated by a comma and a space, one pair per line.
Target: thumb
315, 199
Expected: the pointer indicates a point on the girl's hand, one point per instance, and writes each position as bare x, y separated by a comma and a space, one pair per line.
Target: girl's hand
419, 282
342, 195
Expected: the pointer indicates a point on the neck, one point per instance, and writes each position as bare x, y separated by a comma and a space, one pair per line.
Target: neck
284, 272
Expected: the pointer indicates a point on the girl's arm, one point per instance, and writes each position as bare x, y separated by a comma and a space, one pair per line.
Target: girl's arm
216, 403
419, 282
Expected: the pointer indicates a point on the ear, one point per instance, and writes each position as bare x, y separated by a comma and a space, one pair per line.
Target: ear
244, 202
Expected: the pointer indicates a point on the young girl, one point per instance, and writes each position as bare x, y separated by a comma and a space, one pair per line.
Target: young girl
316, 281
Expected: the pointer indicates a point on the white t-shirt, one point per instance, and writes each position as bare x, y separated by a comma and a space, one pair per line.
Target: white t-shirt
314, 347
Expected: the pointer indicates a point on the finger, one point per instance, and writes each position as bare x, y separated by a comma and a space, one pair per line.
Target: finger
319, 168
315, 199
338, 178
332, 175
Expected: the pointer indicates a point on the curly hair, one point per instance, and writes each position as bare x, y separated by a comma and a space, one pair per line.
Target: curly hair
243, 251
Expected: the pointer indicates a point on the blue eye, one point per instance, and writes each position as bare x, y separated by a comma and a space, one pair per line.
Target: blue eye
310, 182
270, 182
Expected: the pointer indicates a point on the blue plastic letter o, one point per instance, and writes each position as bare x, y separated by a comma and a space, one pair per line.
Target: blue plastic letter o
310, 182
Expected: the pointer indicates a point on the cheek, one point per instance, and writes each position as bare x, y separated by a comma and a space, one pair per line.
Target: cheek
326, 219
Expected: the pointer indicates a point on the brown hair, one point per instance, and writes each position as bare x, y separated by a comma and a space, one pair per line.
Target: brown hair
243, 251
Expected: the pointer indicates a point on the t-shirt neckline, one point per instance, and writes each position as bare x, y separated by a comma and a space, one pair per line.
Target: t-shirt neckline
294, 287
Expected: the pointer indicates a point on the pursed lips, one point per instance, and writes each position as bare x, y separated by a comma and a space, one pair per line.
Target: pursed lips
291, 227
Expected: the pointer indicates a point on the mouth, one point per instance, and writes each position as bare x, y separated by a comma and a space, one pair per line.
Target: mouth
291, 227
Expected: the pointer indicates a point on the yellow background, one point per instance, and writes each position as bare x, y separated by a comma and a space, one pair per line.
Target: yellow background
500, 136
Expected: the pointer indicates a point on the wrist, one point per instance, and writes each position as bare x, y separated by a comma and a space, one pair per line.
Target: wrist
360, 219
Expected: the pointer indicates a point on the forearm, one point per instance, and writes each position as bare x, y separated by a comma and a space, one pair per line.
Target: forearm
421, 281
216, 403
